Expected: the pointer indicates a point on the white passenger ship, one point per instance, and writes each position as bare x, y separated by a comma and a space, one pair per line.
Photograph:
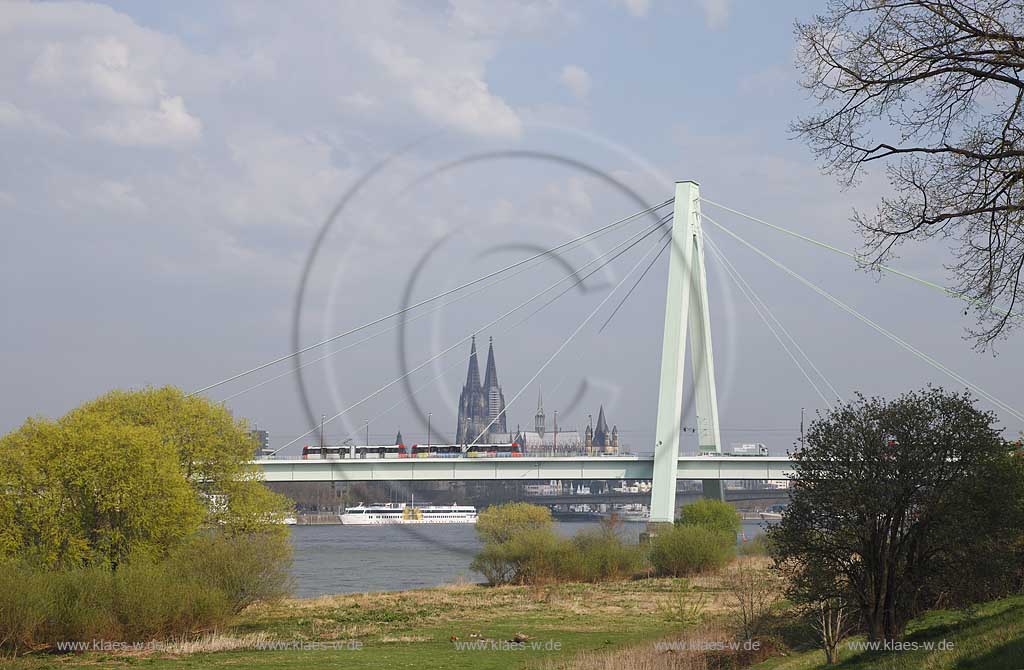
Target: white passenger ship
397, 513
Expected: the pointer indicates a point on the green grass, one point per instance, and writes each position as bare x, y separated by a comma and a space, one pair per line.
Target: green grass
986, 637
414, 629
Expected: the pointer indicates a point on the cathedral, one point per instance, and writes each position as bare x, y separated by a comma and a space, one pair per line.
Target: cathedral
481, 407
482, 418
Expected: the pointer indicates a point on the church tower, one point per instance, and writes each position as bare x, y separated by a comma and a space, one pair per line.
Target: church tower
492, 392
538, 419
481, 406
602, 436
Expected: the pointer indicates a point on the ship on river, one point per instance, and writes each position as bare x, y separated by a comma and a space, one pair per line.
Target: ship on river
402, 513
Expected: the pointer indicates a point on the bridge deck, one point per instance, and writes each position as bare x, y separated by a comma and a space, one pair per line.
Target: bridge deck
547, 467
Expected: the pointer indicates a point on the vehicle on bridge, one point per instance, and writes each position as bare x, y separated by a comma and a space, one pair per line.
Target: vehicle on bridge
345, 451
493, 450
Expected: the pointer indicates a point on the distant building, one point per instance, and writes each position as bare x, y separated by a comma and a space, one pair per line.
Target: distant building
541, 438
262, 439
481, 406
600, 438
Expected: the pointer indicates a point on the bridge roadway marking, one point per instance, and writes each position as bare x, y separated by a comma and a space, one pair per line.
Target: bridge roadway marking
536, 468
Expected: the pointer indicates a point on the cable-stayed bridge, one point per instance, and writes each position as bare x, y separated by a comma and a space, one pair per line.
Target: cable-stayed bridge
687, 317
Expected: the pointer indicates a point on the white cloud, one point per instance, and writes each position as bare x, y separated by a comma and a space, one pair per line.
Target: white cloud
638, 8
169, 125
109, 195
12, 116
97, 73
716, 13
576, 80
455, 97
770, 78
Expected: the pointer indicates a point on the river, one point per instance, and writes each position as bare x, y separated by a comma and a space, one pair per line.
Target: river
356, 559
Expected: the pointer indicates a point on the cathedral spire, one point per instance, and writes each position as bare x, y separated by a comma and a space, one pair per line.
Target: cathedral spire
601, 436
491, 375
538, 418
473, 373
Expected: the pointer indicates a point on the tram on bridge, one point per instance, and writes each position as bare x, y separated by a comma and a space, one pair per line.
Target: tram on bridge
352, 451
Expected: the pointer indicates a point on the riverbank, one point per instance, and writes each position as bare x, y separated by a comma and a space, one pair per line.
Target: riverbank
621, 625
460, 626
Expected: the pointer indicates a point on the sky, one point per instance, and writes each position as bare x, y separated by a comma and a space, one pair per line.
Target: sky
169, 167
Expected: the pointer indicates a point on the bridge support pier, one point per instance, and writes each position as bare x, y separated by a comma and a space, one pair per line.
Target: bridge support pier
713, 489
686, 308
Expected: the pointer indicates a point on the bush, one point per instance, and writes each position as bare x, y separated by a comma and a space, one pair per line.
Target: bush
246, 568
522, 547
23, 606
755, 547
711, 514
687, 549
601, 555
153, 601
501, 523
532, 556
195, 589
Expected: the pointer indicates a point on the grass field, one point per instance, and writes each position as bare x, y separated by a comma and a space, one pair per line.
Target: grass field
987, 637
567, 627
414, 629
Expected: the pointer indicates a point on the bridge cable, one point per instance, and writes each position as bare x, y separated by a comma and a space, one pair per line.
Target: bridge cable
855, 257
663, 221
433, 310
633, 287
453, 346
850, 310
566, 342
750, 295
427, 300
579, 281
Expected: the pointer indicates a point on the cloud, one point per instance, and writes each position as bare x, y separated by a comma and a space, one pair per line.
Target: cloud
12, 116
458, 98
97, 74
576, 80
111, 195
169, 125
716, 13
638, 8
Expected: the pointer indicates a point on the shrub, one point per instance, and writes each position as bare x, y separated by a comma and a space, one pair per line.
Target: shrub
501, 523
758, 546
685, 550
246, 568
601, 555
195, 589
711, 514
154, 601
23, 605
532, 556
522, 547
81, 604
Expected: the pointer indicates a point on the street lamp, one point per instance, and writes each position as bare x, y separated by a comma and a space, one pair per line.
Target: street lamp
367, 432
429, 414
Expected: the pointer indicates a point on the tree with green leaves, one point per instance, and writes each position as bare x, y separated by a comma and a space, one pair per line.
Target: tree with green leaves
128, 473
897, 506
712, 514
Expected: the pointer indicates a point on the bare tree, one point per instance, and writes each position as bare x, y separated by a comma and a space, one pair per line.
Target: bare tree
933, 90
833, 623
755, 591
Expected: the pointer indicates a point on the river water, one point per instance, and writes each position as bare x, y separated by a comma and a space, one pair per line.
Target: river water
357, 559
